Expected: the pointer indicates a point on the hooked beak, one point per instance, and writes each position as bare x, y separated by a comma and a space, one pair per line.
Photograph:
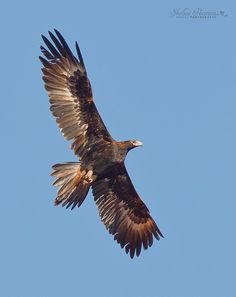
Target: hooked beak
137, 143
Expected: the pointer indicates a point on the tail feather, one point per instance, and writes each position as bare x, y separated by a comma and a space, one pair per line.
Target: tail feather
77, 197
73, 184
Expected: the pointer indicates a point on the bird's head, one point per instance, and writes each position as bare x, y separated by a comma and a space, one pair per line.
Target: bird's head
126, 146
133, 143
136, 143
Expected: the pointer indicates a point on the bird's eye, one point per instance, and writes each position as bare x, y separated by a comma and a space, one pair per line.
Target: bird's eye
137, 143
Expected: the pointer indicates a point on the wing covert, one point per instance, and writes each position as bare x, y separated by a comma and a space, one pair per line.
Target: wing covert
70, 95
124, 213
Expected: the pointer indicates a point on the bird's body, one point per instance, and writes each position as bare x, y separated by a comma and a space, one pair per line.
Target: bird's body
101, 158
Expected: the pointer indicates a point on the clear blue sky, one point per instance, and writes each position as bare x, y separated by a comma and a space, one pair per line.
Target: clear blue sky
168, 82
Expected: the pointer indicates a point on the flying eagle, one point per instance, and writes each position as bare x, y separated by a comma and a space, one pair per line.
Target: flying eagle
101, 158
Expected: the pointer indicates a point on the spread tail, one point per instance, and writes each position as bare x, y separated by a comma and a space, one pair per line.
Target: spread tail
73, 184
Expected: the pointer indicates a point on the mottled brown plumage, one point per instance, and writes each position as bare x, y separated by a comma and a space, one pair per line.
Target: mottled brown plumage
101, 158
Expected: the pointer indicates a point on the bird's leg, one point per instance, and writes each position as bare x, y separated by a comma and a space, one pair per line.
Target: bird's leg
89, 176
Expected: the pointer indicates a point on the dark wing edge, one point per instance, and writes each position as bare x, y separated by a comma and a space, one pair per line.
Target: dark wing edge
123, 212
70, 94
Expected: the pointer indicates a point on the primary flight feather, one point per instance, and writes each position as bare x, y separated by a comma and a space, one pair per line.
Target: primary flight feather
101, 158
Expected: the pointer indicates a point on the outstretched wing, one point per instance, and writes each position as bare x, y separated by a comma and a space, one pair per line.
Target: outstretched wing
70, 95
123, 212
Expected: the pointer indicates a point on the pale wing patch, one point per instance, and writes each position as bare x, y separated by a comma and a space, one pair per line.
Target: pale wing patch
64, 105
70, 95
